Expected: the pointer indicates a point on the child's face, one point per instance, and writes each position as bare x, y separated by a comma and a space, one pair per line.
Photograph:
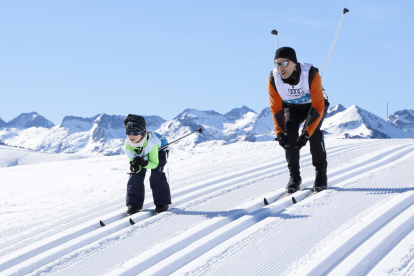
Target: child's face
134, 138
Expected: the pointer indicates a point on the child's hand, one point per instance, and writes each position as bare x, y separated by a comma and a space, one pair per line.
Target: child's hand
137, 162
134, 167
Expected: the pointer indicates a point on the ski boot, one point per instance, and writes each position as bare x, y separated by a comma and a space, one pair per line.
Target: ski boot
132, 210
321, 180
159, 208
294, 183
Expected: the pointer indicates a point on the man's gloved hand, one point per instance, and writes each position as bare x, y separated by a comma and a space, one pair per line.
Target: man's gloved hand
137, 163
302, 140
283, 141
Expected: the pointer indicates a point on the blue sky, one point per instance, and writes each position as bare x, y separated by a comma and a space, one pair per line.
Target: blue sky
84, 58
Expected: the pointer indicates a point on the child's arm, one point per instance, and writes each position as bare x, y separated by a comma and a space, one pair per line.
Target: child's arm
153, 160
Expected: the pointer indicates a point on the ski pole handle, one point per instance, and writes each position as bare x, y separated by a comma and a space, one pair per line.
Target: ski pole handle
199, 130
274, 32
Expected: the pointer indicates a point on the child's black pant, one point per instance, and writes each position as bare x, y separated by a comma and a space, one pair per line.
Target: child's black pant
158, 183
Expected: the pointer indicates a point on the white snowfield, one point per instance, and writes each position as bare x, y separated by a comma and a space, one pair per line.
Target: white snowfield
218, 223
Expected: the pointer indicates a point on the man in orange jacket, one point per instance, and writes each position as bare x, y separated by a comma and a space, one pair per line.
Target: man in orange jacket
296, 96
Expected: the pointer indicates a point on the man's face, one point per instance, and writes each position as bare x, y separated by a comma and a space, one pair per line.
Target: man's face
134, 138
285, 71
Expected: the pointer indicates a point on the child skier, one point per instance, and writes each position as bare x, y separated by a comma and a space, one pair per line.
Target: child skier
141, 147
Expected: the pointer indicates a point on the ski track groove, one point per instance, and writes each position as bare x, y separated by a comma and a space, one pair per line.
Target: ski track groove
265, 233
151, 222
170, 261
375, 247
258, 170
400, 261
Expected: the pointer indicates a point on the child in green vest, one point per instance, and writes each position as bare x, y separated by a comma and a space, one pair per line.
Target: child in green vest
142, 149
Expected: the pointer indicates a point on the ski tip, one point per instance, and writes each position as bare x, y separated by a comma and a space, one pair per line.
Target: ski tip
265, 202
131, 221
294, 200
101, 223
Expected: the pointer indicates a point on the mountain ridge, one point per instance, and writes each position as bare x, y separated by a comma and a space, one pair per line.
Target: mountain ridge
105, 134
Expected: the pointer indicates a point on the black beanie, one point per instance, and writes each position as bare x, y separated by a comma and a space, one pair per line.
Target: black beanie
286, 52
135, 123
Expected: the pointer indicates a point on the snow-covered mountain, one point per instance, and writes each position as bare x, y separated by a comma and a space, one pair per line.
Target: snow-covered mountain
104, 134
238, 113
27, 120
263, 128
228, 128
356, 122
101, 134
403, 119
333, 110
3, 123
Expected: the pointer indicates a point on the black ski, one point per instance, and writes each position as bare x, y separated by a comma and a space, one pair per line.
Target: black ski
101, 223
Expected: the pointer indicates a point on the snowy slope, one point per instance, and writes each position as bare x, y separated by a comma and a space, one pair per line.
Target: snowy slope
10, 156
218, 223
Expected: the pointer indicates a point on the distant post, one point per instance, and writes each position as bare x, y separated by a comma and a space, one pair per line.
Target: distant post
387, 121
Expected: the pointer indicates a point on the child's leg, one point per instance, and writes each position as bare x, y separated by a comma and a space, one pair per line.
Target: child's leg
135, 189
158, 182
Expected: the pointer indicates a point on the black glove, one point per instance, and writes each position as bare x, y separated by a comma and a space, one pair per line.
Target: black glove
137, 163
302, 140
283, 141
134, 167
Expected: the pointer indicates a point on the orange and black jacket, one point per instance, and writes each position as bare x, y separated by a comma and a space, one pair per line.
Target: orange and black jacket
317, 98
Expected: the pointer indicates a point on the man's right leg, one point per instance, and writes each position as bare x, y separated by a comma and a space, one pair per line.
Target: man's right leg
292, 156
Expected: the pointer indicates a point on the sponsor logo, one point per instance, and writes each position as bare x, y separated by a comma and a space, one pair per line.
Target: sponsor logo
295, 92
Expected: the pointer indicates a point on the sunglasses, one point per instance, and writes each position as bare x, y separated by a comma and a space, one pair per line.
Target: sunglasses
282, 64
135, 132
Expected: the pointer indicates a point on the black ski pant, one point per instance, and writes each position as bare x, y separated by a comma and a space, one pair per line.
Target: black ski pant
295, 115
158, 183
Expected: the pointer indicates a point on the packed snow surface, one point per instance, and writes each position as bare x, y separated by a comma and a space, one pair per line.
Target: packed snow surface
218, 224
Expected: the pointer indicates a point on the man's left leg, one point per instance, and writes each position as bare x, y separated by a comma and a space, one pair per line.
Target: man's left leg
318, 151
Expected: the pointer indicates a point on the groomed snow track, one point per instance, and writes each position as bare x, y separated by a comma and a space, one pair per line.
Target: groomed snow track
214, 224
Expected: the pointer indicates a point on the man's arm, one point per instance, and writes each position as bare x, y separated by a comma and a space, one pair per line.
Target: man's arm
276, 107
318, 105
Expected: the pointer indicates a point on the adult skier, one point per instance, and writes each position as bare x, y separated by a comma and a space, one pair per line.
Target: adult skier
296, 97
141, 147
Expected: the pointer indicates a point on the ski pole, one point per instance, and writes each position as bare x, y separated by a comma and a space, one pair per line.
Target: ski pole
333, 42
274, 32
199, 130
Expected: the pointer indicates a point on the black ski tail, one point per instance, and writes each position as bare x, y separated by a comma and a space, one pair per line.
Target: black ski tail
265, 202
101, 223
